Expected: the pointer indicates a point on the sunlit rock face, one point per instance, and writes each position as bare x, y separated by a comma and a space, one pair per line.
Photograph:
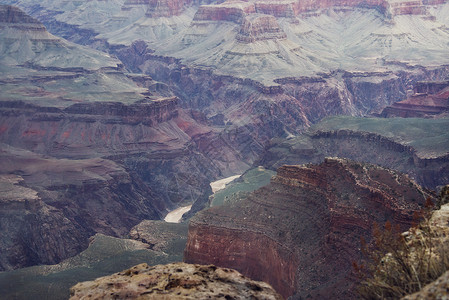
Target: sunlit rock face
175, 281
301, 232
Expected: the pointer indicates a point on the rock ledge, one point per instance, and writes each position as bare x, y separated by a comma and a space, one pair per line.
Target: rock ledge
174, 281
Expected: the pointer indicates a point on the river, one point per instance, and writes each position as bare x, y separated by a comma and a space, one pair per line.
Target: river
175, 215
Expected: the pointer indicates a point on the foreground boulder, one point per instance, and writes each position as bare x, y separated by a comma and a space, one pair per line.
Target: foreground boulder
174, 281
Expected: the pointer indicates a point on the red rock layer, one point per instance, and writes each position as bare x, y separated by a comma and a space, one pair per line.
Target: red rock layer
302, 231
430, 99
234, 10
415, 7
260, 27
227, 11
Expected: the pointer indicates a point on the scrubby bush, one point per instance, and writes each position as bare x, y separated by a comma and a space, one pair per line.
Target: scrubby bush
397, 264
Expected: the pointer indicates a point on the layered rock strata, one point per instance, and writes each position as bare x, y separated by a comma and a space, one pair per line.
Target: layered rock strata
259, 28
301, 232
430, 99
50, 207
166, 8
414, 146
98, 150
174, 281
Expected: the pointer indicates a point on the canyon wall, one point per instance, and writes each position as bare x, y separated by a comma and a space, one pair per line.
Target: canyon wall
301, 232
98, 150
430, 99
50, 207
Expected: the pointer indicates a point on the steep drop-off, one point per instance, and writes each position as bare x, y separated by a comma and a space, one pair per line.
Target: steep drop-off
50, 207
98, 150
430, 99
418, 147
301, 232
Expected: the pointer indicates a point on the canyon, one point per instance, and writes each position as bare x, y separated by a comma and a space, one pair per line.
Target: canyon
84, 163
301, 232
115, 112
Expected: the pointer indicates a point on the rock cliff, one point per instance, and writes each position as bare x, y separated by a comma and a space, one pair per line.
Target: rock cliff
50, 207
301, 232
414, 146
430, 99
174, 281
166, 8
258, 28
102, 149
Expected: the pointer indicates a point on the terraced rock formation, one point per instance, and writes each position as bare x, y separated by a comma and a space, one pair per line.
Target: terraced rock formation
430, 99
418, 147
301, 232
88, 148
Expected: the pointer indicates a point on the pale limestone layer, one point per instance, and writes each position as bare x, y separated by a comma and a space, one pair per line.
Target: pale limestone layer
174, 281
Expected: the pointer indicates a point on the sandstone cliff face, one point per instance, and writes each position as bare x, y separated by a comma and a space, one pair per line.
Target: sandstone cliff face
301, 232
174, 281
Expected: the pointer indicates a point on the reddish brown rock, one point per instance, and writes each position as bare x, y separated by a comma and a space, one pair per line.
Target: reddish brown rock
429, 100
258, 27
301, 232
232, 11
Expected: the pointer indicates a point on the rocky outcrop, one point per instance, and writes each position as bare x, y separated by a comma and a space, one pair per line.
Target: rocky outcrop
33, 232
174, 281
301, 232
232, 11
433, 291
157, 8
159, 234
258, 28
430, 99
414, 7
14, 15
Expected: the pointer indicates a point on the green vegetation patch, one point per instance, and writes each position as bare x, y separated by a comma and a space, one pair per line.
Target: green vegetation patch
250, 181
105, 255
430, 137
